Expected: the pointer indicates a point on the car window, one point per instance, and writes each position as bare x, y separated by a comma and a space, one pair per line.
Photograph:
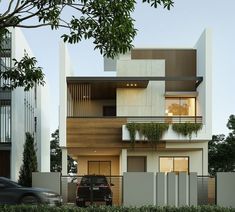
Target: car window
8, 184
85, 181
100, 181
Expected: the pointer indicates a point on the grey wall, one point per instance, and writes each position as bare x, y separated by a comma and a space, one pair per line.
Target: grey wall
226, 189
146, 188
48, 180
138, 188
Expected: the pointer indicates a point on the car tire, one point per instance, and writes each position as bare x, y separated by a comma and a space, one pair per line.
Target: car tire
80, 204
29, 199
110, 203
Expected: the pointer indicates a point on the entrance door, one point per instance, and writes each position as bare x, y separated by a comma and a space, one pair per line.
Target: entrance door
99, 167
5, 163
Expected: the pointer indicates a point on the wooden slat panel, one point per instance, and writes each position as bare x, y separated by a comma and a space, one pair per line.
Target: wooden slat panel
99, 133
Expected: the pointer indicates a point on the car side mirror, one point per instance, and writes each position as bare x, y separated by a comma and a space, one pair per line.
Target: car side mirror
111, 184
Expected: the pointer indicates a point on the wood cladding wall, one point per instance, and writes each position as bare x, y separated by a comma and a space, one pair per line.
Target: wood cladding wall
100, 133
178, 62
94, 132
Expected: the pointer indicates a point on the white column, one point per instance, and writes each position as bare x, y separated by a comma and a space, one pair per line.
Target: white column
123, 161
64, 161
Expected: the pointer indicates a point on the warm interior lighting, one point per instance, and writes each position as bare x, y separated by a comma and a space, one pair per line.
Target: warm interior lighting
135, 85
127, 85
131, 85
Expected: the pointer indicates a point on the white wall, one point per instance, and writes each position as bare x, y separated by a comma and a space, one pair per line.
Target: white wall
195, 158
23, 116
204, 69
64, 71
43, 129
141, 102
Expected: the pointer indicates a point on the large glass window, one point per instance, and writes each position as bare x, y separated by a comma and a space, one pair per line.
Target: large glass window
180, 106
174, 164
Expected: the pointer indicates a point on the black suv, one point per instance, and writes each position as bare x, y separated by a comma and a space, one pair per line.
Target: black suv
93, 188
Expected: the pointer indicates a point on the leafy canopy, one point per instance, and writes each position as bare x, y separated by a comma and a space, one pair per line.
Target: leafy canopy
56, 155
221, 151
107, 22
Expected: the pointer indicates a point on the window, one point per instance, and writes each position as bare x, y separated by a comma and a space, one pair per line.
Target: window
174, 164
5, 121
136, 164
180, 106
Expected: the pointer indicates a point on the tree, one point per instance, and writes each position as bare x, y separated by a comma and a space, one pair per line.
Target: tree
107, 22
56, 156
29, 162
221, 152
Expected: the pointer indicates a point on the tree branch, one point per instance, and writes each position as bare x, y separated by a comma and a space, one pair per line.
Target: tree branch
9, 8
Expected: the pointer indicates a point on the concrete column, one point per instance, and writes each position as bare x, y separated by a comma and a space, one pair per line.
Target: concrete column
160, 189
182, 189
193, 189
123, 161
64, 161
171, 189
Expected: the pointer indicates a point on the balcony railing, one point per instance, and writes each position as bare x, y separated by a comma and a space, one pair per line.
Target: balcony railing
166, 119
149, 119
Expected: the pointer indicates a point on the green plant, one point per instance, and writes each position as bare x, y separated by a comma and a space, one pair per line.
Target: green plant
29, 161
186, 129
132, 127
44, 208
152, 131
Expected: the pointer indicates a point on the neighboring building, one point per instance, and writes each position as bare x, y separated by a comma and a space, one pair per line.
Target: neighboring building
21, 112
151, 85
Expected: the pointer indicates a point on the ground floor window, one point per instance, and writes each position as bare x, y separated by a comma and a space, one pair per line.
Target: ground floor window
174, 164
99, 167
136, 164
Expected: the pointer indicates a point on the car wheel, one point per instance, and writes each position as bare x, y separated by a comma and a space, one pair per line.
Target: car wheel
110, 203
80, 204
29, 199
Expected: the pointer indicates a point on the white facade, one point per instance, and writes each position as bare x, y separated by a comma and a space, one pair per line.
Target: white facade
142, 105
28, 114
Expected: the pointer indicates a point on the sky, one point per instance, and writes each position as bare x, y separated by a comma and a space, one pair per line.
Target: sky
179, 27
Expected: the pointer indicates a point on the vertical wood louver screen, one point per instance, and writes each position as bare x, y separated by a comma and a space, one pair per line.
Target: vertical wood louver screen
78, 99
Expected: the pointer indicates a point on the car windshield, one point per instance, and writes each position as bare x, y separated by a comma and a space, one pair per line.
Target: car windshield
9, 183
97, 180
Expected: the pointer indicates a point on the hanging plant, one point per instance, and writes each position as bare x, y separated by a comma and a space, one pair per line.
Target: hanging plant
152, 131
186, 129
132, 132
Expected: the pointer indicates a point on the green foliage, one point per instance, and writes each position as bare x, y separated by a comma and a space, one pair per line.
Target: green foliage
186, 129
221, 151
44, 208
152, 131
24, 73
108, 22
56, 155
132, 127
29, 162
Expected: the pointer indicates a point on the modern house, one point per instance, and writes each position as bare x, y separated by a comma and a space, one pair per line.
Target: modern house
152, 88
21, 112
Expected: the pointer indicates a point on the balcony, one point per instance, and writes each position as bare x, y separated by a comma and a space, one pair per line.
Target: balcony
170, 135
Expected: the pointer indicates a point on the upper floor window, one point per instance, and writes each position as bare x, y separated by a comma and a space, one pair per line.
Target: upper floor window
180, 106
